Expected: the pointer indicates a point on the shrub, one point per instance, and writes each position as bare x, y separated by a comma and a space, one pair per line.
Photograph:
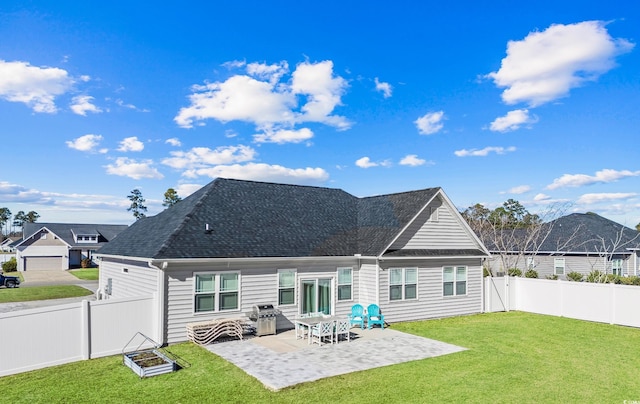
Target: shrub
596, 277
575, 276
552, 277
86, 263
629, 280
531, 273
486, 272
10, 266
515, 272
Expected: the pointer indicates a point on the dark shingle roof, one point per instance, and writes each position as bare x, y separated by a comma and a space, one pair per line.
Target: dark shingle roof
579, 233
105, 232
258, 219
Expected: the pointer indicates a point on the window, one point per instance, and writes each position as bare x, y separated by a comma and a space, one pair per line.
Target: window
558, 266
216, 292
403, 283
616, 266
286, 286
454, 281
531, 264
345, 282
433, 217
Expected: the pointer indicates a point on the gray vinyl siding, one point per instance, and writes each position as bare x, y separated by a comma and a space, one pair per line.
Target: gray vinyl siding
129, 279
367, 285
258, 285
444, 232
430, 302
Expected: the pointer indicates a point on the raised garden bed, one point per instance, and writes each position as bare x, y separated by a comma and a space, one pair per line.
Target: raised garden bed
149, 363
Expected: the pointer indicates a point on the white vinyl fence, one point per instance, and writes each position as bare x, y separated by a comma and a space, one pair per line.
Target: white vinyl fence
604, 303
48, 336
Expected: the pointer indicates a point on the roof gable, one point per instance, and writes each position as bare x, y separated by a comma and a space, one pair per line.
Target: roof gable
67, 231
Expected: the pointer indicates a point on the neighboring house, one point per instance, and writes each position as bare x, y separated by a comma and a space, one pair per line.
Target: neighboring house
9, 243
234, 244
579, 242
60, 246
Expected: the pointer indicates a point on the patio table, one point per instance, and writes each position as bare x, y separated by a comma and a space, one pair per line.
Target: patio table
309, 322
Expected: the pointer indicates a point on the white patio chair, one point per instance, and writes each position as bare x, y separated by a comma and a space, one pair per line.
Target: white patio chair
343, 328
302, 330
321, 332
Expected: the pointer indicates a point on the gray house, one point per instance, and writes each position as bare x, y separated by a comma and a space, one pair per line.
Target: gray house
60, 246
579, 242
233, 244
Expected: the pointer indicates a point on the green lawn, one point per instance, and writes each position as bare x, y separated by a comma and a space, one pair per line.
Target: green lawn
87, 274
512, 357
42, 293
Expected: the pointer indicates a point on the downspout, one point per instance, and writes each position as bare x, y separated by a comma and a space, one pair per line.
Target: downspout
160, 300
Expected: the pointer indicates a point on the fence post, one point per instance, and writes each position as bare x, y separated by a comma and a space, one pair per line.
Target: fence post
612, 315
85, 325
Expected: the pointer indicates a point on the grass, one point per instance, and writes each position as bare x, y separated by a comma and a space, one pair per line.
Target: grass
42, 293
511, 357
87, 274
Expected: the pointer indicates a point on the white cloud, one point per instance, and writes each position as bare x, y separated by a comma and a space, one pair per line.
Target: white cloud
264, 172
199, 157
520, 189
14, 193
541, 197
365, 162
174, 141
546, 65
37, 87
412, 160
131, 168
484, 152
430, 123
262, 99
589, 199
323, 91
185, 190
86, 143
82, 104
131, 144
512, 121
384, 88
602, 176
284, 136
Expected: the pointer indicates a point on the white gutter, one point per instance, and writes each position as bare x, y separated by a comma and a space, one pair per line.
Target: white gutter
432, 258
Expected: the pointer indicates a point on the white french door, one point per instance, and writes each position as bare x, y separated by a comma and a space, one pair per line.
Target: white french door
316, 295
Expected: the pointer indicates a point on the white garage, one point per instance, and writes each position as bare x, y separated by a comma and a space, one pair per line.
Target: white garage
43, 263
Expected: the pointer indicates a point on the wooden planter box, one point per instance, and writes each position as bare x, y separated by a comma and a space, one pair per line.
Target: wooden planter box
149, 363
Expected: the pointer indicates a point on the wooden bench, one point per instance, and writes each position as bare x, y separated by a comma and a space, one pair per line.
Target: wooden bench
205, 332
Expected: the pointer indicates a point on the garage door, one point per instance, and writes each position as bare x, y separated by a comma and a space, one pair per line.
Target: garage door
43, 263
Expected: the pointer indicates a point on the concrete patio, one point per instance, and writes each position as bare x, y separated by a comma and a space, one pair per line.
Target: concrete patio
280, 361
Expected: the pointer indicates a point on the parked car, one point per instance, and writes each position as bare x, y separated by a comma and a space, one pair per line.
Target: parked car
9, 281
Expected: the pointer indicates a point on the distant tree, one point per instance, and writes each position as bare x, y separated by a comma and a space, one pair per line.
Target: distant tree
137, 204
5, 215
20, 218
171, 198
638, 227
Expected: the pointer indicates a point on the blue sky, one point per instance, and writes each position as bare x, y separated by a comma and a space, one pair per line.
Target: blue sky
489, 101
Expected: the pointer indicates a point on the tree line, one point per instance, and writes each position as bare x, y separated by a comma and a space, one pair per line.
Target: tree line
138, 207
19, 219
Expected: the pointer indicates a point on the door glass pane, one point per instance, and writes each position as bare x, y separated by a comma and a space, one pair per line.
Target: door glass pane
324, 296
308, 291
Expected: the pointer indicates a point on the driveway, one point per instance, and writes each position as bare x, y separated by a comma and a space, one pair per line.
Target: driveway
46, 278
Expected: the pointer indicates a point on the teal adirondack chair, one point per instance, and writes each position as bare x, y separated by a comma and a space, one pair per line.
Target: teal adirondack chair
357, 315
374, 316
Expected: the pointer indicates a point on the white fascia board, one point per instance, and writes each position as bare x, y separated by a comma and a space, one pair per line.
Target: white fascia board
432, 258
38, 231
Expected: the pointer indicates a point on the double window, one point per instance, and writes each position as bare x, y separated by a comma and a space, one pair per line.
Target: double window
454, 281
286, 286
616, 266
403, 283
558, 266
216, 292
345, 283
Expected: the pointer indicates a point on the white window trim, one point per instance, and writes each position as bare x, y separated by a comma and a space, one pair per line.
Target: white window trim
456, 280
295, 286
403, 284
555, 266
338, 284
216, 293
